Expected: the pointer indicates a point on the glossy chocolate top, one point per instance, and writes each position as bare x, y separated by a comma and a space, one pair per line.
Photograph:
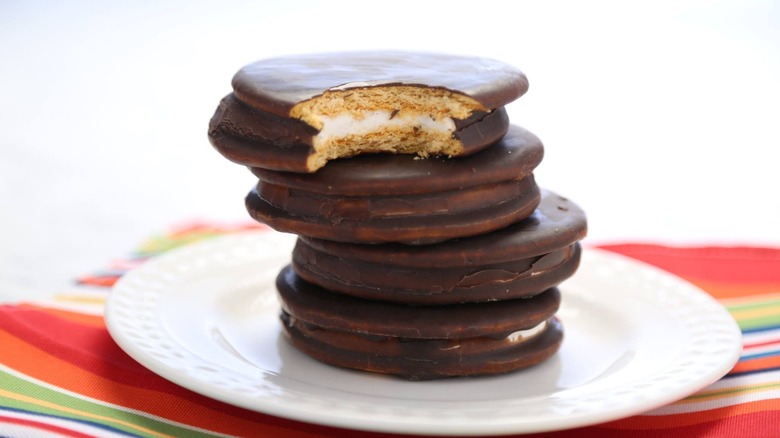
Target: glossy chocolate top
555, 224
513, 157
278, 84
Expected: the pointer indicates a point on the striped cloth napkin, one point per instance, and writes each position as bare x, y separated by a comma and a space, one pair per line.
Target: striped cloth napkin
61, 374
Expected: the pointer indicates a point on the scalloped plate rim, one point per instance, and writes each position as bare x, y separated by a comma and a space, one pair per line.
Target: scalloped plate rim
295, 399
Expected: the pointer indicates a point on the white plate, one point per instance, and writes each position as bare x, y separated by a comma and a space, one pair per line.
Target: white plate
205, 317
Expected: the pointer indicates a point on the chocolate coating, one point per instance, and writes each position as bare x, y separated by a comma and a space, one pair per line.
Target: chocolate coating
520, 260
416, 359
276, 85
336, 208
410, 229
557, 223
417, 342
322, 308
511, 158
256, 138
253, 125
436, 286
431, 349
398, 198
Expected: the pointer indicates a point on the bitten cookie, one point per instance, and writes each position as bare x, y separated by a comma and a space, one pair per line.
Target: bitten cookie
399, 198
518, 261
419, 342
295, 113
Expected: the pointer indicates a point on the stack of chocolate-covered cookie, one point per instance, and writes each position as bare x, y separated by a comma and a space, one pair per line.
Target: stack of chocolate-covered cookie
426, 248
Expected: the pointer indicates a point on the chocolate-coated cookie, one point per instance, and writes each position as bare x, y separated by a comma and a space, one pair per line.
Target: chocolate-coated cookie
296, 113
400, 198
517, 261
418, 342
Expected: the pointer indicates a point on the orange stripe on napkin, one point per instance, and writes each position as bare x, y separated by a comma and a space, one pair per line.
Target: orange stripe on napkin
95, 321
761, 363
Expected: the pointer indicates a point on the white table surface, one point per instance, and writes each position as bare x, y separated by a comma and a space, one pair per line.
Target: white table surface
661, 120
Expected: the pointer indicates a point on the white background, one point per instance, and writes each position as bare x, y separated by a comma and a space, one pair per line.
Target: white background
659, 118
